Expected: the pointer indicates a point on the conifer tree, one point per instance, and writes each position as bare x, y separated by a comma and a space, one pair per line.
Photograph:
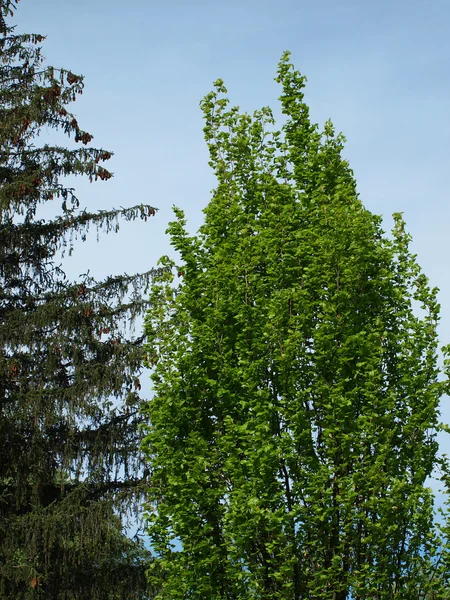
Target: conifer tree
296, 384
69, 365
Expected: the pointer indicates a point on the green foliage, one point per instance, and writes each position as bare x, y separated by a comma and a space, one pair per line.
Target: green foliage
294, 365
69, 368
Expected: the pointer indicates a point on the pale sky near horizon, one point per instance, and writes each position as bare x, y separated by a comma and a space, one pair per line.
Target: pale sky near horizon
378, 70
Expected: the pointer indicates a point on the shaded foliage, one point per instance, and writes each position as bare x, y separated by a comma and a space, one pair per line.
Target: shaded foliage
69, 366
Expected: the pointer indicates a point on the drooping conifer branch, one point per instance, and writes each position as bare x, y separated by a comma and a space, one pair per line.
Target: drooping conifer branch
70, 365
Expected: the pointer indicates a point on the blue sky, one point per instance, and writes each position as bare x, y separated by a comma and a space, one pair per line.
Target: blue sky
379, 70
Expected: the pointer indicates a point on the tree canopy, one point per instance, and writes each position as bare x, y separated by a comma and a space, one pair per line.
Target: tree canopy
294, 357
69, 364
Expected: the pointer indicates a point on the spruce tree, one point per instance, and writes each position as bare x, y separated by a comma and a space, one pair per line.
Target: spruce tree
296, 382
70, 466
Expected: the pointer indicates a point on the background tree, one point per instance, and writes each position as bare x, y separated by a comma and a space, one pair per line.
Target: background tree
294, 420
69, 367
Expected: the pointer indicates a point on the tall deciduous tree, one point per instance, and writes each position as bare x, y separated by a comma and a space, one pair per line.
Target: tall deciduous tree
294, 420
69, 368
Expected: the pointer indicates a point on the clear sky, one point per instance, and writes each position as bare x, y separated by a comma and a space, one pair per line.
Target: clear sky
380, 70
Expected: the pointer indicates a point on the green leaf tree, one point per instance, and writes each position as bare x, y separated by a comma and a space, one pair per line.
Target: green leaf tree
296, 385
69, 365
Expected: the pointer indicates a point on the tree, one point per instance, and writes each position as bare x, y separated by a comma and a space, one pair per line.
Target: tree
69, 366
295, 409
